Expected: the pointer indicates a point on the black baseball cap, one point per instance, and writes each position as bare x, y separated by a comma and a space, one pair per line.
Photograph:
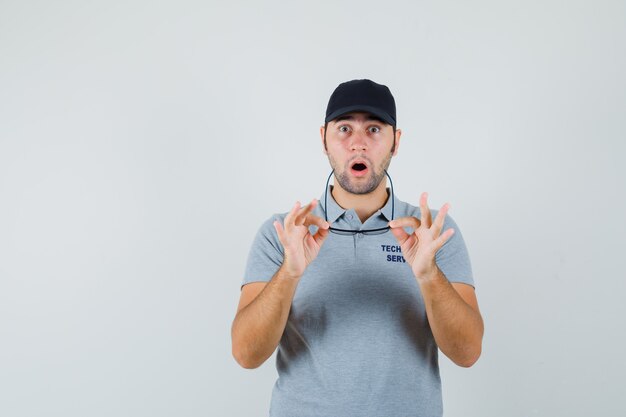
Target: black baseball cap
362, 95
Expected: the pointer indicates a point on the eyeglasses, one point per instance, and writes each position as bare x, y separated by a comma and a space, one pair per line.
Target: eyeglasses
347, 232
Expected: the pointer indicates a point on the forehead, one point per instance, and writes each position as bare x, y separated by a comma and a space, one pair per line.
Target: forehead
358, 117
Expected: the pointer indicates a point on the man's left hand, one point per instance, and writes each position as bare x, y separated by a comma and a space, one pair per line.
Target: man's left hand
420, 247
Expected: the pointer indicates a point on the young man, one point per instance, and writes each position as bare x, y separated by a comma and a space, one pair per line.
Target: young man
358, 290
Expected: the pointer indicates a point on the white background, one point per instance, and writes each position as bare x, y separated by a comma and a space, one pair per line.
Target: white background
143, 143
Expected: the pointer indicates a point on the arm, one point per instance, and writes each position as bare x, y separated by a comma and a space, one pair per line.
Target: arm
454, 318
263, 309
452, 309
259, 325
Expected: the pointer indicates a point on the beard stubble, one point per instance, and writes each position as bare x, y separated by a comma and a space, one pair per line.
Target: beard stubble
375, 177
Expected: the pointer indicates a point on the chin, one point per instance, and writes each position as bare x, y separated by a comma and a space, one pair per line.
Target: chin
360, 188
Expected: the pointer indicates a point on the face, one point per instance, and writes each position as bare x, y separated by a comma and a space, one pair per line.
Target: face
359, 148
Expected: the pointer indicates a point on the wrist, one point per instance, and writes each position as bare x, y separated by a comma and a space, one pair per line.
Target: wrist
289, 273
431, 275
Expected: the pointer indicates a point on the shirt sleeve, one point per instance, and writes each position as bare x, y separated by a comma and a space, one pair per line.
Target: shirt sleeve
266, 253
453, 258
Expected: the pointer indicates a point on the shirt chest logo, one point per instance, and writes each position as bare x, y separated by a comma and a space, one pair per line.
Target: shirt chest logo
393, 253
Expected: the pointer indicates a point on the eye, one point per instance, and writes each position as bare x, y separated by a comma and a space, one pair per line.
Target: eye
343, 128
374, 129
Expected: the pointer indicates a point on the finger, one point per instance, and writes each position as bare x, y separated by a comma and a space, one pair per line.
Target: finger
441, 240
405, 240
426, 217
441, 216
304, 211
409, 221
280, 231
289, 218
400, 234
320, 236
314, 220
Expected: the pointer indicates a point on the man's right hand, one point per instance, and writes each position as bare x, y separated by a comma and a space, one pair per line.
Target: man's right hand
300, 246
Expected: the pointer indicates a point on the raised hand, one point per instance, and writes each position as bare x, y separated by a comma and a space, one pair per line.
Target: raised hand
300, 246
420, 247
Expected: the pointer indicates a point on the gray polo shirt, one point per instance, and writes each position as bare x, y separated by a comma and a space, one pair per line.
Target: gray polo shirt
357, 340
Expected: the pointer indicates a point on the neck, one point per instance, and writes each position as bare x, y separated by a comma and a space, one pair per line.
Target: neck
363, 204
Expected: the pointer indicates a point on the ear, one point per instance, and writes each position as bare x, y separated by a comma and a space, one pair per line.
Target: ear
322, 138
397, 139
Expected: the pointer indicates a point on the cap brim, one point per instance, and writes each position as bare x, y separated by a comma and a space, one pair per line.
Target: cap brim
369, 109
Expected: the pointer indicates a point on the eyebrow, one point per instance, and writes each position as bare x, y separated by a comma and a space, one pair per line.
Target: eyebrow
369, 117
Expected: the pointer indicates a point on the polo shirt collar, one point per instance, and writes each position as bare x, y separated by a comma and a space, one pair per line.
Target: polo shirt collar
386, 209
335, 210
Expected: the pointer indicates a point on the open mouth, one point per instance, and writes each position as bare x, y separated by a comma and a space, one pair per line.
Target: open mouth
358, 169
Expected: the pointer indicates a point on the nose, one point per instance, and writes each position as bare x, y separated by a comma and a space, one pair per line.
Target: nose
358, 142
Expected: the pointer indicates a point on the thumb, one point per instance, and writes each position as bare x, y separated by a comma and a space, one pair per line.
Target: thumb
400, 234
320, 236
